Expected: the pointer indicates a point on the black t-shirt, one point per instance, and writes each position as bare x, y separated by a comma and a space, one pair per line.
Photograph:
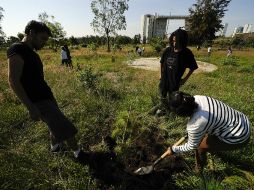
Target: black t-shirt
174, 65
32, 78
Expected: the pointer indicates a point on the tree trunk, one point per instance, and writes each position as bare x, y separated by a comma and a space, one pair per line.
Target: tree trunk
108, 42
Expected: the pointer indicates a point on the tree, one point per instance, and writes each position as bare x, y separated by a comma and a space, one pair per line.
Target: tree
12, 39
57, 31
109, 17
223, 42
2, 41
20, 36
1, 17
2, 35
73, 41
136, 39
205, 19
122, 40
157, 43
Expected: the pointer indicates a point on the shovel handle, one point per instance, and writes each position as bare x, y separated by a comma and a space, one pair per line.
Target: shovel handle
180, 140
168, 152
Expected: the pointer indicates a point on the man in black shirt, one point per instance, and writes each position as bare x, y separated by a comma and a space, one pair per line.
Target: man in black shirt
174, 61
26, 78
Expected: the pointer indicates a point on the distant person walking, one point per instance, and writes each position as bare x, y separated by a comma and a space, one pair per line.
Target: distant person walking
136, 49
64, 57
229, 51
69, 61
209, 51
26, 78
139, 51
174, 61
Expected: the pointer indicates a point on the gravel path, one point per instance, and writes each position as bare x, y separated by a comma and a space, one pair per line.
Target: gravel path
154, 65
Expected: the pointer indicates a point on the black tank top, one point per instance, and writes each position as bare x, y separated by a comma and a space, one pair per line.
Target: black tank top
32, 78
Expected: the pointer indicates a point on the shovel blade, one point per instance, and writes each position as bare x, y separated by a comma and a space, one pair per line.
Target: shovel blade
144, 170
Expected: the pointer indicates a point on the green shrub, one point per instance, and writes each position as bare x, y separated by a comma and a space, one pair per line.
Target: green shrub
88, 77
232, 60
93, 47
235, 183
157, 43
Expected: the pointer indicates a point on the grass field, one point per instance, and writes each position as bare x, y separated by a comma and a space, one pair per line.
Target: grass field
110, 98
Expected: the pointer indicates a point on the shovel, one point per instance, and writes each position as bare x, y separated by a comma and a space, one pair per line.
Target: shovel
149, 169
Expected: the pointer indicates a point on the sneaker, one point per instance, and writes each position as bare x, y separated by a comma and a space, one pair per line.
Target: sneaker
154, 109
57, 148
160, 112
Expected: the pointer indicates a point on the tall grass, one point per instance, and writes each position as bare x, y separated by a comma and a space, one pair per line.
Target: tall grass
111, 98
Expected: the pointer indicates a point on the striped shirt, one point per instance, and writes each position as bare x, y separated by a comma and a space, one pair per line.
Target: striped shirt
215, 118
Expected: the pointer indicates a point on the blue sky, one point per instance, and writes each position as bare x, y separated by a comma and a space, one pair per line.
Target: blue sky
75, 15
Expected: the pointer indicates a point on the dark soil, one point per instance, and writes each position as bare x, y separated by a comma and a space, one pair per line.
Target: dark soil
108, 171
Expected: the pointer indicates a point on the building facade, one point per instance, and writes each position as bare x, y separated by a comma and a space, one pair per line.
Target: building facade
157, 25
242, 30
247, 28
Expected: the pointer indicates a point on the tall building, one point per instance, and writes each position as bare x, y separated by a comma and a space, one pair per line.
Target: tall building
224, 29
157, 25
237, 30
247, 28
241, 30
146, 27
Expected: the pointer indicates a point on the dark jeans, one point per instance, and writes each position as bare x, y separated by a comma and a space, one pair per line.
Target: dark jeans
165, 95
60, 127
65, 62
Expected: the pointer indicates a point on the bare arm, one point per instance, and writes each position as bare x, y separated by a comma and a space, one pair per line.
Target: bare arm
183, 80
16, 64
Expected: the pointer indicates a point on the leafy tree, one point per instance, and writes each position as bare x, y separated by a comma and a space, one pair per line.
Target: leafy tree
73, 41
136, 39
123, 40
223, 42
1, 17
2, 41
205, 19
57, 30
11, 39
109, 17
238, 42
20, 36
157, 43
93, 47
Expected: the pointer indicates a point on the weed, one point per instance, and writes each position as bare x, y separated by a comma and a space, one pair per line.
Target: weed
232, 60
88, 77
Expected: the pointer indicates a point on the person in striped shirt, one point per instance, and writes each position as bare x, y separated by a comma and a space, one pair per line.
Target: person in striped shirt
213, 126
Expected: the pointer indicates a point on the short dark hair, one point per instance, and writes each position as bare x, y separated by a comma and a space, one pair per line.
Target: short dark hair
182, 104
37, 27
181, 38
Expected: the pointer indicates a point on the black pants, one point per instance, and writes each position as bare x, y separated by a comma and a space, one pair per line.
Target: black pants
165, 94
59, 125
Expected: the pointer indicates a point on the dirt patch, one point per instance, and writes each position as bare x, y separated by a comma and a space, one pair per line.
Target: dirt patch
108, 169
153, 64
